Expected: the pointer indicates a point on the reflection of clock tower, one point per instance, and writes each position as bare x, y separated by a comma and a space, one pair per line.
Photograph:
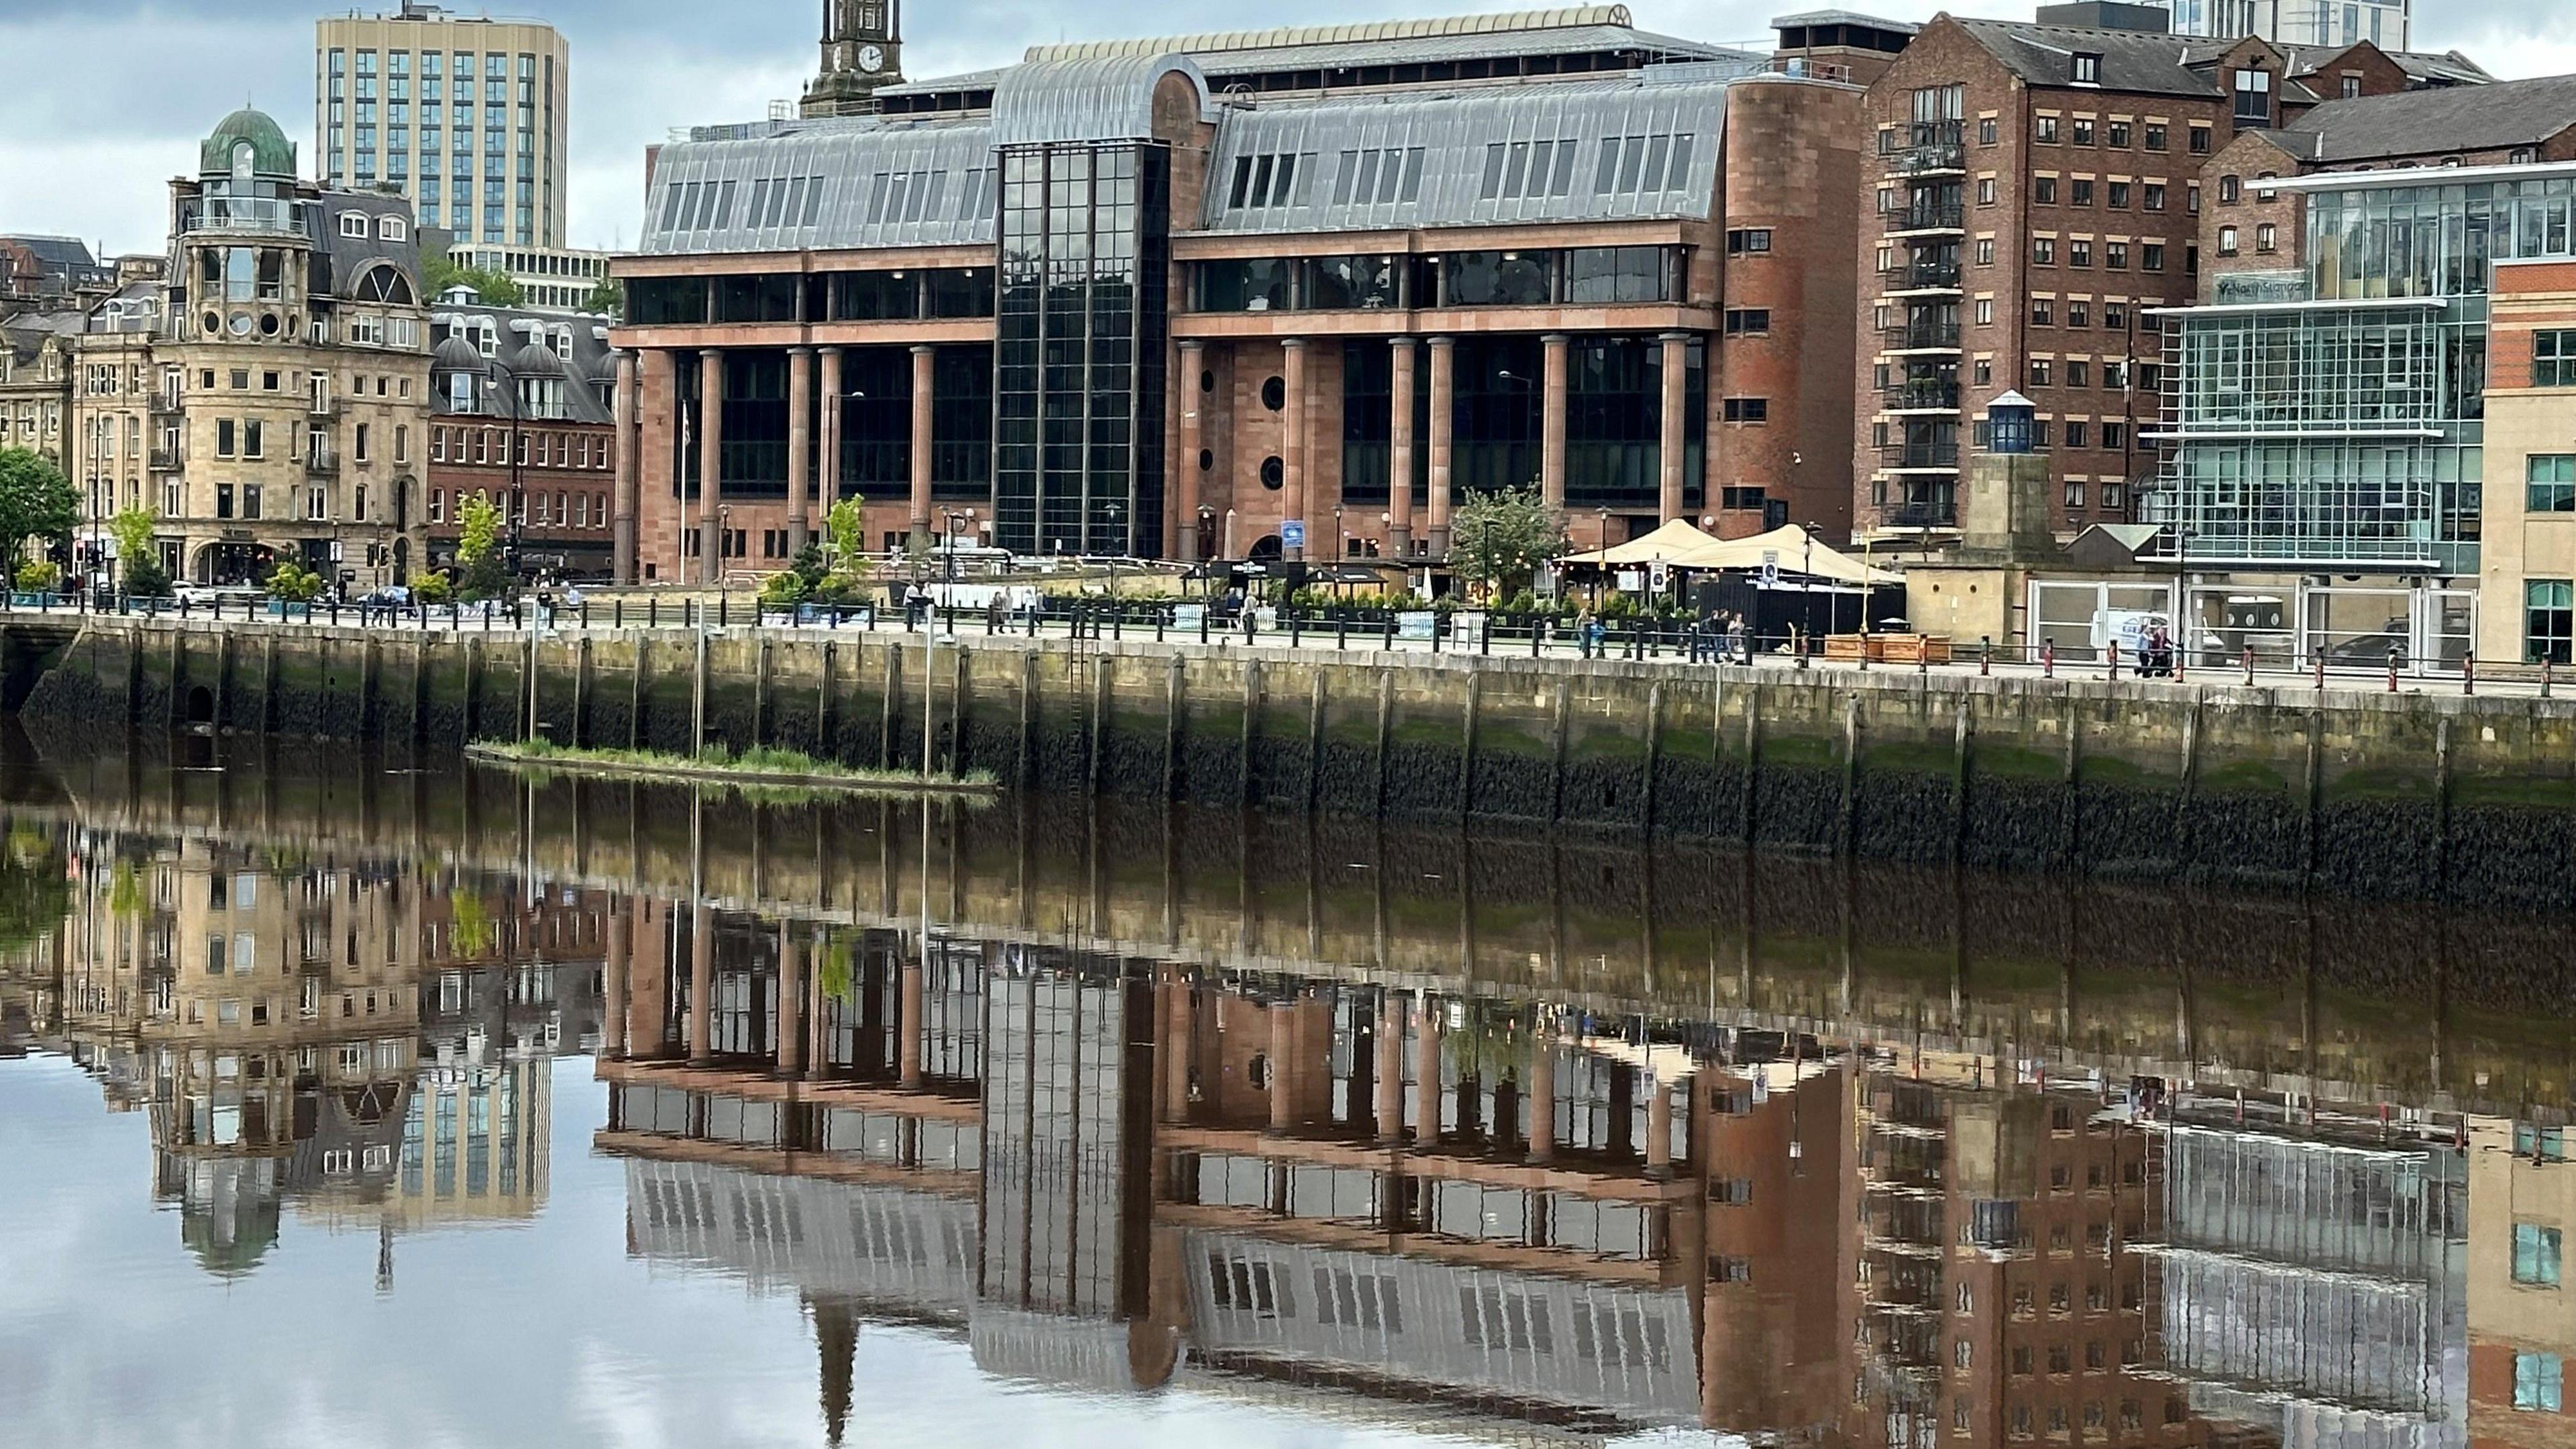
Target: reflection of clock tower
862, 50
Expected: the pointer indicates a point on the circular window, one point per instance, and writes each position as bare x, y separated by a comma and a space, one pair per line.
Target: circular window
1274, 394
268, 325
214, 322
1274, 474
241, 324
1207, 380
1207, 459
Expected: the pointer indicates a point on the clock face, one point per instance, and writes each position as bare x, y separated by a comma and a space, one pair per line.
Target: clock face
872, 58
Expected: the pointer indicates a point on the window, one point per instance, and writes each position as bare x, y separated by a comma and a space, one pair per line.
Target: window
2115, 255
1985, 311
2537, 1382
1986, 131
2227, 241
2118, 134
2549, 625
392, 228
2199, 140
2152, 196
2088, 68
1747, 321
2157, 136
2267, 237
2043, 250
2043, 190
2083, 131
1748, 241
1379, 177
2553, 359
1748, 410
1627, 165
2040, 369
2041, 312
2118, 196
1985, 251
2230, 190
1985, 191
2535, 1248
2253, 97
2079, 253
353, 224
2044, 130
2151, 256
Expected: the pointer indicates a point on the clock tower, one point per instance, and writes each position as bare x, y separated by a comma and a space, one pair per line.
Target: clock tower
862, 50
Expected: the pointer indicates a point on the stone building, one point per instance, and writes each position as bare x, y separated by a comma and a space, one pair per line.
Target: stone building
1107, 302
2039, 196
279, 399
520, 413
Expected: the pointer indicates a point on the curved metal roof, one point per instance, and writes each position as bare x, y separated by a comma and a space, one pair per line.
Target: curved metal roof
1101, 98
272, 155
1341, 146
1210, 42
851, 199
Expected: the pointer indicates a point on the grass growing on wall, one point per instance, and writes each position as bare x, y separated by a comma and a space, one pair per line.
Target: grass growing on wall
758, 760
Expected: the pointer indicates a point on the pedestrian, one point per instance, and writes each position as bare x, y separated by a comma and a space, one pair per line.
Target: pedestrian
1739, 643
1583, 623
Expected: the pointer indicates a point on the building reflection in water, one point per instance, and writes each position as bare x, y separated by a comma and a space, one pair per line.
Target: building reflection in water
1398, 1127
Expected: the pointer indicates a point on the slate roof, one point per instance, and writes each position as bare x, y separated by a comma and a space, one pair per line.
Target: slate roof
453, 349
2495, 116
2132, 61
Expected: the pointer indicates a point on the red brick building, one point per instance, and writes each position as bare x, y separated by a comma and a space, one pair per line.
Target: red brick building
540, 387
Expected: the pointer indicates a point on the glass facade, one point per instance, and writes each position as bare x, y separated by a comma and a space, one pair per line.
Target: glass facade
2343, 425
386, 118
1078, 367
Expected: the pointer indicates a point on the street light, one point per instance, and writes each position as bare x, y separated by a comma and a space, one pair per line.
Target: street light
1807, 592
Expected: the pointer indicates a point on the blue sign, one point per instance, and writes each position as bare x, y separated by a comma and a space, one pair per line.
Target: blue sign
1292, 534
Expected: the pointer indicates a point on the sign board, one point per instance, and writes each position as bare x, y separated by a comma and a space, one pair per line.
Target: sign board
1543, 583
1292, 534
1770, 568
1660, 575
1416, 624
1631, 580
1188, 616
1467, 629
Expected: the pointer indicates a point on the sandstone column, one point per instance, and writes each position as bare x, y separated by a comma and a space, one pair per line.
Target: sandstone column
1659, 1127
630, 448
1283, 1050
1444, 359
921, 358
1399, 454
1193, 438
1676, 365
830, 471
1552, 394
1426, 1071
1542, 1098
702, 983
1292, 445
1388, 1062
800, 444
791, 1000
710, 466
908, 1024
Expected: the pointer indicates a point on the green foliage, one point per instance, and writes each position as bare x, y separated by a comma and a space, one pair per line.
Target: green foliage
138, 554
39, 576
36, 501
1502, 537
35, 888
470, 927
496, 289
294, 583
608, 299
125, 892
758, 760
838, 571
784, 590
432, 588
478, 549
838, 980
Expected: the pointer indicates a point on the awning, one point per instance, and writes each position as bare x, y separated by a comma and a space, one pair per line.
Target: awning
1789, 548
1664, 545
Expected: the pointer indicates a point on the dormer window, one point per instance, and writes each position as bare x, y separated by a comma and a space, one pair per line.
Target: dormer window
243, 160
353, 224
2254, 97
392, 228
2088, 68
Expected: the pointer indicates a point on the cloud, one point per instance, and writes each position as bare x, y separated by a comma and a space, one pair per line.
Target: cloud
107, 98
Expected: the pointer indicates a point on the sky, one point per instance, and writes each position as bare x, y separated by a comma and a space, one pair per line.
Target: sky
106, 99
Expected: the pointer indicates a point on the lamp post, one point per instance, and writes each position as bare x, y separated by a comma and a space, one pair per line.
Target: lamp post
1806, 592
1207, 576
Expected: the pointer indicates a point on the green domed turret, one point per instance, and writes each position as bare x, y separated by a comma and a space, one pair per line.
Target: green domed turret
271, 154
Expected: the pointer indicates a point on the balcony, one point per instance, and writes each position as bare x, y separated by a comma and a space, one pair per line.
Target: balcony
1920, 516
1930, 148
258, 215
1921, 334
322, 461
1919, 216
166, 460
1924, 275
323, 407
1918, 455
1923, 397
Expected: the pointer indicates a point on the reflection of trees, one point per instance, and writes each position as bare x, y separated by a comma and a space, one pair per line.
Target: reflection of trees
35, 888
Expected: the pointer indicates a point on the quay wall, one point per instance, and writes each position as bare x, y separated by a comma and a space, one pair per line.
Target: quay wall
2405, 796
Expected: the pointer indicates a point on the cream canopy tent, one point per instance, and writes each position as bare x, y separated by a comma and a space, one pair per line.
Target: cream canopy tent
1665, 545
1790, 548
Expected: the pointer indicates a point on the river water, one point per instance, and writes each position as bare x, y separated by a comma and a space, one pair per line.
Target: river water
344, 1106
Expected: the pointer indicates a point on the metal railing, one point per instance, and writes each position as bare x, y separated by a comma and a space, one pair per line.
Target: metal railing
166, 460
267, 215
1927, 216
1924, 273
1923, 332
1921, 514
1920, 454
1921, 396
1930, 146
322, 460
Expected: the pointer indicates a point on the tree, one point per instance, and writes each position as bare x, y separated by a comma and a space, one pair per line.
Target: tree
441, 272
36, 501
1504, 536
138, 554
294, 583
608, 299
478, 549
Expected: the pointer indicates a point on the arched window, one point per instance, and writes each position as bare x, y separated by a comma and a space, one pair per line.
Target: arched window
243, 163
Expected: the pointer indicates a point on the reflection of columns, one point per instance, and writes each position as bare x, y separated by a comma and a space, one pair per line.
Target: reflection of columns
702, 983
1444, 370
921, 358
1659, 1127
1292, 443
1283, 1050
791, 999
1676, 362
621, 959
907, 1050
1426, 1072
1551, 449
800, 442
1185, 532
630, 447
1399, 454
1388, 1060
1542, 1099
710, 466
830, 473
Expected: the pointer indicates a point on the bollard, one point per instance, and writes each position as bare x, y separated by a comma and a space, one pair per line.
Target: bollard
1296, 630
1538, 630
1159, 616
724, 610
1986, 656
2392, 672
2321, 669
1485, 635
1203, 613
1922, 658
1388, 625
1341, 630
2115, 659
2048, 659
2469, 673
2249, 664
